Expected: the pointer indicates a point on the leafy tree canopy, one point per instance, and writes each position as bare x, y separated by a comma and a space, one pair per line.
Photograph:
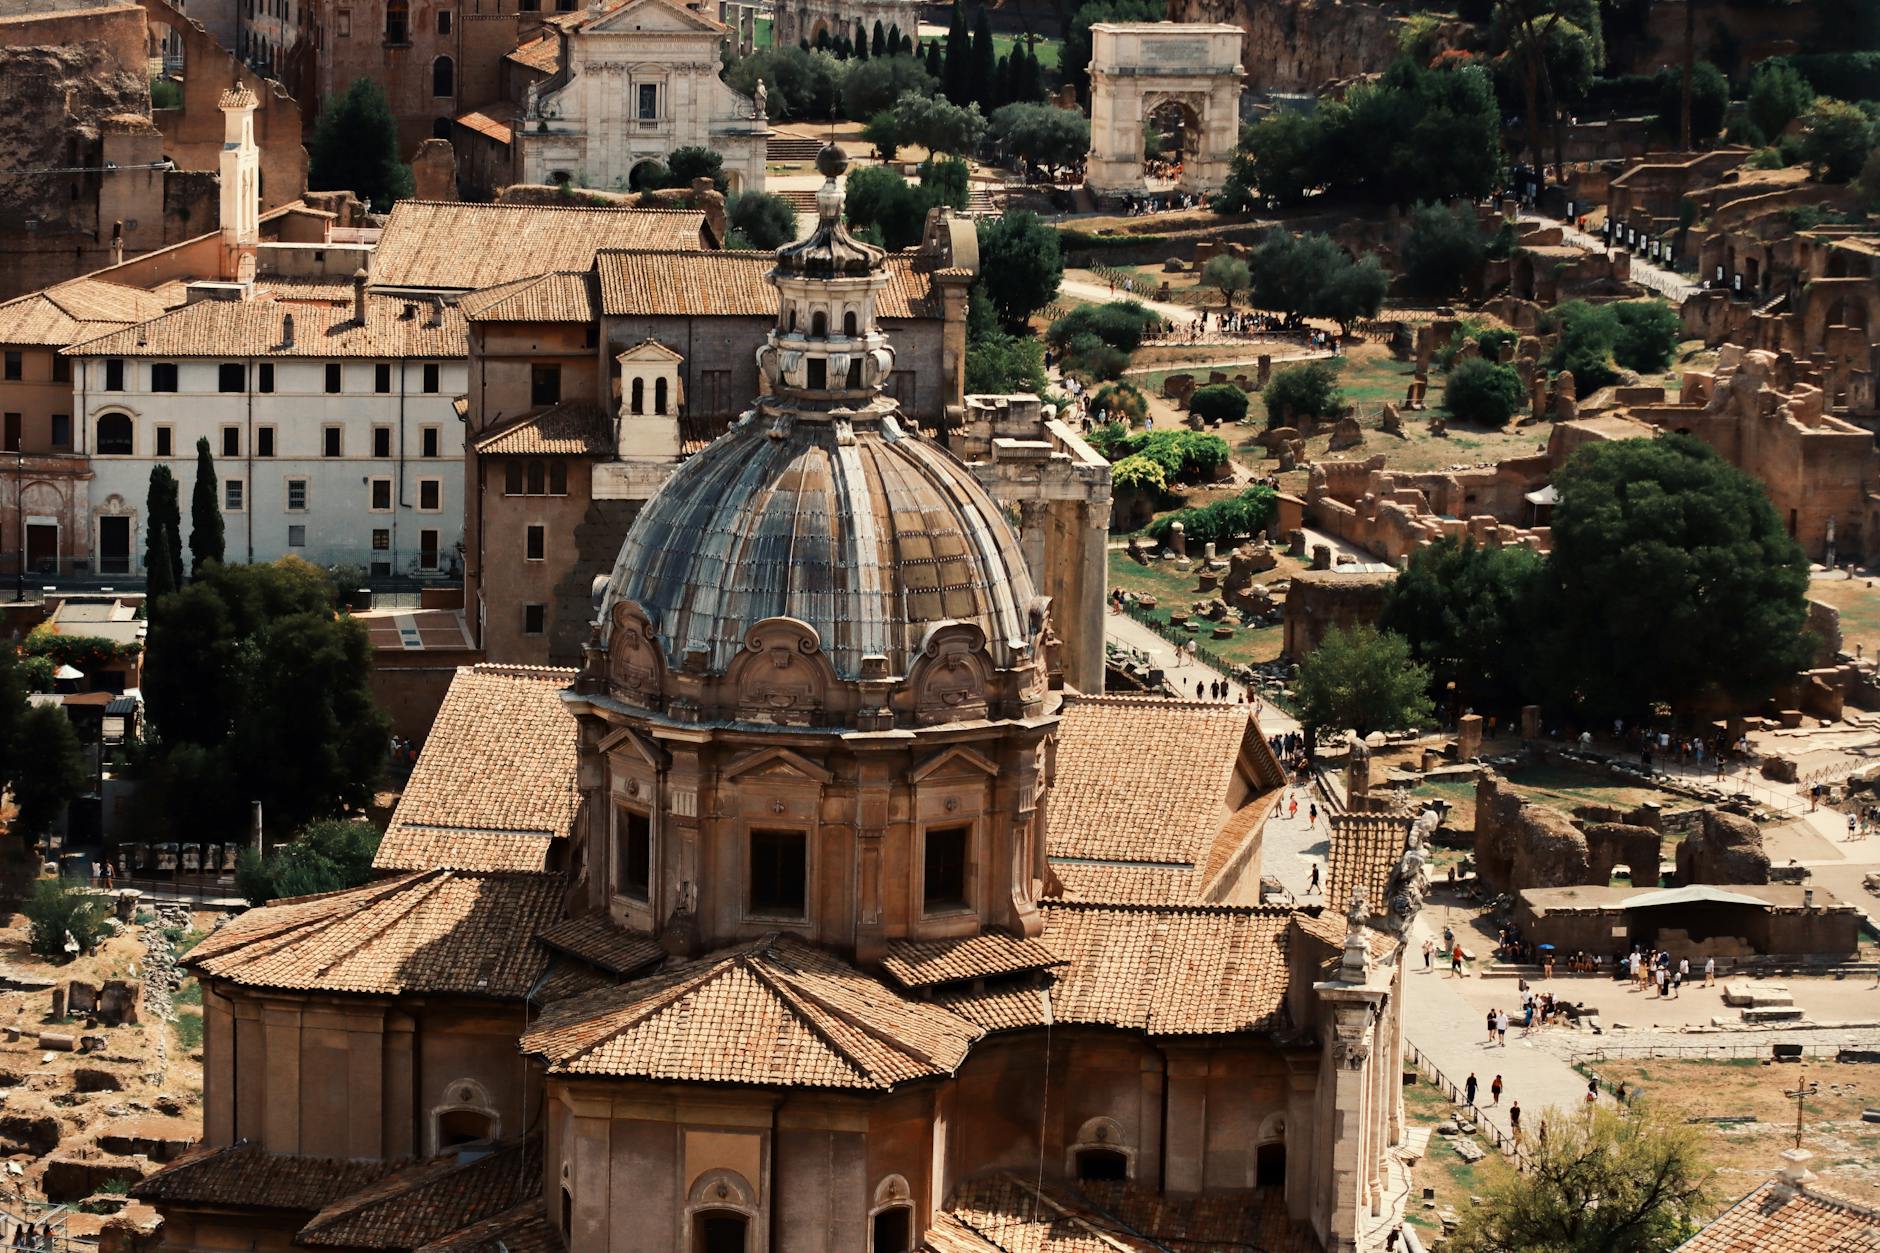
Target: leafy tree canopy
205, 513
1836, 138
1310, 276
1074, 58
1303, 391
937, 124
323, 856
802, 84
355, 147
1121, 324
764, 220
1362, 679
1224, 520
1483, 393
1042, 134
1778, 94
49, 769
1227, 274
54, 911
1021, 264
1466, 612
1710, 99
873, 87
1443, 251
878, 197
1217, 403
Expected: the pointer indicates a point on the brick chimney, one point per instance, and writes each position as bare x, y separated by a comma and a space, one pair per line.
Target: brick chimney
359, 295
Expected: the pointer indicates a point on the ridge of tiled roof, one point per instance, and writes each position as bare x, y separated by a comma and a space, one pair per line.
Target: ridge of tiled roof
558, 296
775, 1013
541, 52
436, 931
572, 428
454, 246
235, 328
1124, 882
1802, 1219
524, 1229
600, 942
429, 1200
715, 282
73, 311
245, 1174
1361, 852
926, 963
495, 784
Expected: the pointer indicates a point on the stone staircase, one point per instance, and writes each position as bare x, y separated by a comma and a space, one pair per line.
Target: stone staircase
800, 199
791, 149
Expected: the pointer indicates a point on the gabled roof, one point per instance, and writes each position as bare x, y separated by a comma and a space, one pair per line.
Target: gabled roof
774, 1013
563, 296
677, 18
437, 931
73, 311
256, 328
1794, 1220
596, 940
637, 282
430, 1200
542, 52
525, 1229
573, 428
467, 247
494, 786
925, 963
1361, 852
247, 1175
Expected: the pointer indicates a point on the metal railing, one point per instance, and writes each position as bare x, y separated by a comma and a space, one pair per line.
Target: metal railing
1758, 1049
1182, 640
160, 891
1448, 1087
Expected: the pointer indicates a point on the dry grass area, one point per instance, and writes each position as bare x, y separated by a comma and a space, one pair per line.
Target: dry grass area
1176, 588
1454, 1180
1858, 601
1560, 787
1847, 1150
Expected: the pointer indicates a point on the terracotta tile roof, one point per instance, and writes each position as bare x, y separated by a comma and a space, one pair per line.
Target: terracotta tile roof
74, 311
1009, 1005
1125, 883
237, 97
495, 782
925, 963
1146, 780
540, 53
1162, 970
1237, 835
430, 1200
645, 283
1002, 1213
1364, 849
438, 931
573, 428
247, 1175
564, 296
294, 289
1803, 1220
777, 1012
597, 940
255, 328
525, 1229
467, 247
495, 120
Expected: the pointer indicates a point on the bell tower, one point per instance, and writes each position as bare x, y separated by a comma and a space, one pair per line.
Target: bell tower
240, 167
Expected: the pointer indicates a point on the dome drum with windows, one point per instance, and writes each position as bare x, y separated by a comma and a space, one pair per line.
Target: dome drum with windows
823, 563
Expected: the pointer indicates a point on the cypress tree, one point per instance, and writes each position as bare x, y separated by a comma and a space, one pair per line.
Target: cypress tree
981, 84
163, 533
933, 59
205, 513
159, 557
894, 39
907, 45
957, 81
878, 42
1030, 79
999, 90
861, 42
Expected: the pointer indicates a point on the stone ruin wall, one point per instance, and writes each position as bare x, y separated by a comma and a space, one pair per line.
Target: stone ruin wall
1301, 45
1392, 514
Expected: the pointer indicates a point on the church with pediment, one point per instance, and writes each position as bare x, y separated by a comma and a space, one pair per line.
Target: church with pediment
632, 84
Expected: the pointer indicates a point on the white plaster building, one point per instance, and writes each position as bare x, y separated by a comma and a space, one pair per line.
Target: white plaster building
634, 84
333, 427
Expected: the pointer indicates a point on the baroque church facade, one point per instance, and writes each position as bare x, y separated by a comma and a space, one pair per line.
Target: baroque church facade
812, 912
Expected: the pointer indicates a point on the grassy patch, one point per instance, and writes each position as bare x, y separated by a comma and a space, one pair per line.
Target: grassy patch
1444, 1169
1047, 50
1564, 788
1858, 602
1174, 588
189, 1031
188, 994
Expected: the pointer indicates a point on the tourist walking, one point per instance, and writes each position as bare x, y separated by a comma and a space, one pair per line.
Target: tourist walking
1314, 885
1468, 1090
1455, 961
1710, 971
1491, 1026
1514, 1120
1501, 1028
1494, 1090
1429, 948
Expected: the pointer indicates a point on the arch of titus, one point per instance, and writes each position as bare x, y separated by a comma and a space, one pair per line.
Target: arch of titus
1137, 68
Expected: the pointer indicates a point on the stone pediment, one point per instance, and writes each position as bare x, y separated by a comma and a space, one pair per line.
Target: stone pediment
777, 764
657, 16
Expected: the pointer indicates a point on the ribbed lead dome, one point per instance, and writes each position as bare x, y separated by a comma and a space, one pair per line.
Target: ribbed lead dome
866, 532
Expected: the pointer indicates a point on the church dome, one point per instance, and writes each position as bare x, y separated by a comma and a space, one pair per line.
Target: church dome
869, 533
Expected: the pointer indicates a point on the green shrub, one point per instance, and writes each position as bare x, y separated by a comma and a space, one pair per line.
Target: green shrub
1766, 159
1246, 514
166, 93
189, 1030
1090, 356
1648, 335
1120, 324
1488, 338
1139, 473
1304, 391
1587, 335
1185, 456
322, 857
1083, 239
1218, 402
1120, 401
1482, 393
54, 911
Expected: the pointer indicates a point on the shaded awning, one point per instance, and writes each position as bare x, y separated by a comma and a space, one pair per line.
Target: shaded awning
1542, 496
1695, 894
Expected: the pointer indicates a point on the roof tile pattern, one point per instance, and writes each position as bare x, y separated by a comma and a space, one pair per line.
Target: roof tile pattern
437, 931
71, 312
543, 52
925, 963
495, 782
573, 428
255, 328
525, 1229
776, 1012
1802, 1220
1364, 849
429, 1200
246, 1174
1002, 1213
558, 297
466, 247
1124, 883
597, 941
732, 284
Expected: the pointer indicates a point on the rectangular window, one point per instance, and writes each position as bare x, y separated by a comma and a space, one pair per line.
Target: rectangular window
512, 479
538, 478
430, 377
430, 495
381, 495
163, 376
649, 102
16, 366
544, 384
381, 378
635, 877
943, 878
535, 546
232, 495
557, 479
61, 368
430, 441
342, 24
166, 442
62, 432
427, 550
534, 619
381, 441
114, 375
332, 378
330, 442
297, 495
779, 873
14, 432
264, 441
443, 21
297, 536
228, 376
231, 441
264, 381
381, 540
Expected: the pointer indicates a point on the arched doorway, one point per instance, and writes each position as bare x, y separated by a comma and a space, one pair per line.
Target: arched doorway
719, 1231
1102, 1165
1171, 136
647, 175
443, 77
1269, 1168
